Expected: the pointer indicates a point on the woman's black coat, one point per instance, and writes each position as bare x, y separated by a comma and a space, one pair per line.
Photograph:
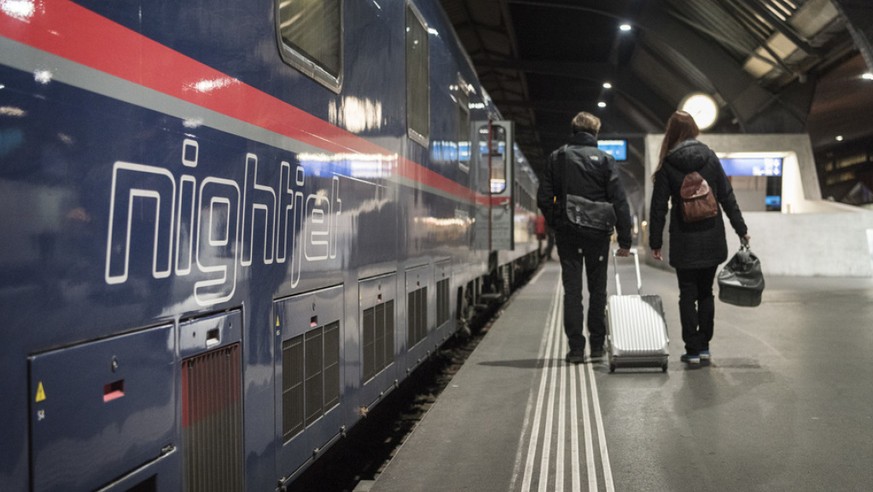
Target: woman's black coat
698, 244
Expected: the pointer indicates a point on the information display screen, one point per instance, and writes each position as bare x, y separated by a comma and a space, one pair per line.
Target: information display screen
752, 166
615, 148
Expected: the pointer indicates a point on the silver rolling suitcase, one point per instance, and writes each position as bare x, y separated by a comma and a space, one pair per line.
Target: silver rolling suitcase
637, 332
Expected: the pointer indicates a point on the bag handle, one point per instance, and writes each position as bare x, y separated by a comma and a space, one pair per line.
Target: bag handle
635, 254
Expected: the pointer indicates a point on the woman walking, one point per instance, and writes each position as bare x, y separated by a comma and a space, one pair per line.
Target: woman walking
697, 246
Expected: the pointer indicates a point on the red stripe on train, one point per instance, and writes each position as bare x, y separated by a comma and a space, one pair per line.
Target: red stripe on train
73, 32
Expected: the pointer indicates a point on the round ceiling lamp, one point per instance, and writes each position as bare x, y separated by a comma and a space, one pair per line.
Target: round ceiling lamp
702, 107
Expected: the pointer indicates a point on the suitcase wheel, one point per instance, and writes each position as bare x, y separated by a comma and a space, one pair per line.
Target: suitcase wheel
664, 367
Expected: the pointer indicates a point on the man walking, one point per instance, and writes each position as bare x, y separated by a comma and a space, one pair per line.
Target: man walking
583, 200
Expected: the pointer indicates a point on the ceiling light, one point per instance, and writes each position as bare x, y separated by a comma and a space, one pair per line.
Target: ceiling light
839, 138
702, 107
867, 76
607, 85
625, 27
601, 104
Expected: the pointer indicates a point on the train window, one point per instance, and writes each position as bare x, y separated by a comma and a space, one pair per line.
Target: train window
310, 38
463, 127
417, 77
493, 150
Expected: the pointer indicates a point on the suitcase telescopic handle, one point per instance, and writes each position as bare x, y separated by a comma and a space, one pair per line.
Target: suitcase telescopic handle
634, 253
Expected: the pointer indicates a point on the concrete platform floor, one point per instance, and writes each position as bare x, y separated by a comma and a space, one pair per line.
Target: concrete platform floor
785, 404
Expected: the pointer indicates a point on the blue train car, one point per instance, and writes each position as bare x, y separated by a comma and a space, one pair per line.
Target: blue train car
230, 227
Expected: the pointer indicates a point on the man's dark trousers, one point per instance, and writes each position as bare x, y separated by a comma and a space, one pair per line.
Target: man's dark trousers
576, 249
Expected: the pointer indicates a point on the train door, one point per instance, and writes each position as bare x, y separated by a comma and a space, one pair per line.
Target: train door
493, 160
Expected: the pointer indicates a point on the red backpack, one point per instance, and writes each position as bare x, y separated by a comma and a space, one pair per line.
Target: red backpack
698, 202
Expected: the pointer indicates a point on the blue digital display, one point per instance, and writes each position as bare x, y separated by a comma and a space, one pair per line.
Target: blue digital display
615, 148
464, 151
752, 166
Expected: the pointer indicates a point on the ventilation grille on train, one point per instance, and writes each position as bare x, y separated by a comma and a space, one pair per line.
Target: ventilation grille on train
310, 377
417, 315
442, 313
212, 420
378, 343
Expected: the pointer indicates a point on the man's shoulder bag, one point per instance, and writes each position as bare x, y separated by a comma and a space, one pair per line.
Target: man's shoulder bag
582, 212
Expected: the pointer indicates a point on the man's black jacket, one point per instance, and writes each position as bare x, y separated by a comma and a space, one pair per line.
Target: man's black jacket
580, 168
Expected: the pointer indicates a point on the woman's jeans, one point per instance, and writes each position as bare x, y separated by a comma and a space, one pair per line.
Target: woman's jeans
696, 307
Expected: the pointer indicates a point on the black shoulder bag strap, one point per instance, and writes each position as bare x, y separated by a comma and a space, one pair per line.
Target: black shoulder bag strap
562, 161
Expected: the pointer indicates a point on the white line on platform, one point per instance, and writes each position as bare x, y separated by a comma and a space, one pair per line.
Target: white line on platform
551, 396
598, 417
535, 402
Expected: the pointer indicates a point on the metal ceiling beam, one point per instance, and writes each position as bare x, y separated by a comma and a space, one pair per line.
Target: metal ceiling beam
551, 106
640, 120
859, 19
568, 69
625, 82
638, 94
726, 41
782, 27
747, 99
613, 123
612, 117
618, 6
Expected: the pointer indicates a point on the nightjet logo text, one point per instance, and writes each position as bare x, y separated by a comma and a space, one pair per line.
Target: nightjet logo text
214, 226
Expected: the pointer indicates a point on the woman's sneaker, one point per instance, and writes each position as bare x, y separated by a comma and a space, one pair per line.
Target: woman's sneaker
705, 355
690, 358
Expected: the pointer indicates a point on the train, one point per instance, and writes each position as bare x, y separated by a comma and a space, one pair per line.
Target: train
230, 228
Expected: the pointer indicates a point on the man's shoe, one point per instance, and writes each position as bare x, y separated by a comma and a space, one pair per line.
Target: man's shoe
596, 354
705, 355
690, 358
575, 357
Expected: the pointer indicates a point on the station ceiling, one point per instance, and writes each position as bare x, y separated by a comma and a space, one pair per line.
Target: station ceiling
773, 66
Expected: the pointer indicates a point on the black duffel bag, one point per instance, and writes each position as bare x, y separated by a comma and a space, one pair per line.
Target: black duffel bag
741, 281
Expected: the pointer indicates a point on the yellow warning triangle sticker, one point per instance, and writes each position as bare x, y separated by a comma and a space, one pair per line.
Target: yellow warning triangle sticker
40, 393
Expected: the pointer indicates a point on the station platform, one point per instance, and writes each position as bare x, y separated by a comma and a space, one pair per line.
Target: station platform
786, 402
